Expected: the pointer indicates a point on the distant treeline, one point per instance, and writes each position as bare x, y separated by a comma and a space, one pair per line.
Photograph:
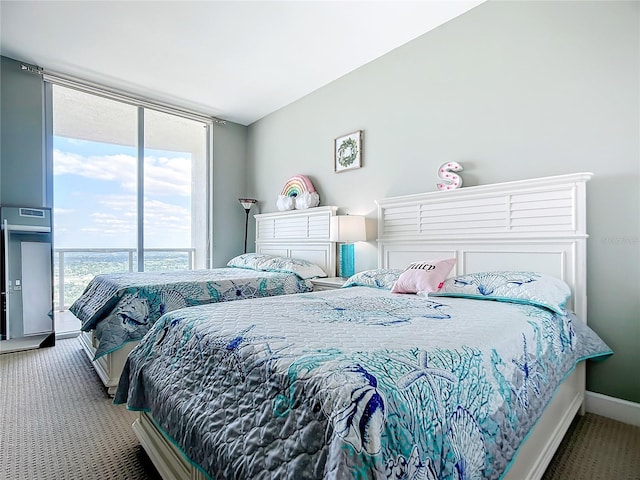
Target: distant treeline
80, 268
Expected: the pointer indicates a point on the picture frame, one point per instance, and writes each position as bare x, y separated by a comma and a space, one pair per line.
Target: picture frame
347, 152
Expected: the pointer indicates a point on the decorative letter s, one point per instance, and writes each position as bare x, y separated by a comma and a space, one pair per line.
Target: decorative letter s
450, 179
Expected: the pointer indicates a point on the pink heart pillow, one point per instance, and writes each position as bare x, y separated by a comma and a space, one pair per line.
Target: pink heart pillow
423, 276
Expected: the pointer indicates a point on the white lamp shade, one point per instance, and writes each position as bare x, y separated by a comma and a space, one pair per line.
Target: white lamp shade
347, 229
247, 203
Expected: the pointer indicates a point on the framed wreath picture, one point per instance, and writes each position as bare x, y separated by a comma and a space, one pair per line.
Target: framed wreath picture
347, 151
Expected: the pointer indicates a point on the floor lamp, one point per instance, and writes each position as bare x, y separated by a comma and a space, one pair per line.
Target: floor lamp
247, 203
347, 229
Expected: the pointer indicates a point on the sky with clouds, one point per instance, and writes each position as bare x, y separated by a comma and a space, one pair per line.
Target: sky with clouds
95, 196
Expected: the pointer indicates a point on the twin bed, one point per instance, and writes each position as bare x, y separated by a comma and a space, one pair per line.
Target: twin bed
479, 381
117, 310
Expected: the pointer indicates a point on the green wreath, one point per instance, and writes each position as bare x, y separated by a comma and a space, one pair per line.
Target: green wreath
347, 152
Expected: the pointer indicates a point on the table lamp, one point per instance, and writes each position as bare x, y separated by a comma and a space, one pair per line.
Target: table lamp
347, 229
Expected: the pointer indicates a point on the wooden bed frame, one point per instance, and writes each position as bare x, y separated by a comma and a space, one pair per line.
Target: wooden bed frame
302, 234
537, 224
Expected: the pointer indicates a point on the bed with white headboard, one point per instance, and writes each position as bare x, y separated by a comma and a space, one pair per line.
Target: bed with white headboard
537, 224
300, 234
534, 225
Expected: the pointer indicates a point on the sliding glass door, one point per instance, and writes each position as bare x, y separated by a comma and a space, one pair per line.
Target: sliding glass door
129, 190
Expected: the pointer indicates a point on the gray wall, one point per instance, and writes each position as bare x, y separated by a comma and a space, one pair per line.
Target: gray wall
22, 159
230, 184
511, 90
21, 136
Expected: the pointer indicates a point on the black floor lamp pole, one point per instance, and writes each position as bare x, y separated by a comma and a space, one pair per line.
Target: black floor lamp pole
246, 227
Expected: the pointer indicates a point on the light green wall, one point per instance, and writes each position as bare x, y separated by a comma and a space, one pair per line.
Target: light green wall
230, 184
21, 136
511, 90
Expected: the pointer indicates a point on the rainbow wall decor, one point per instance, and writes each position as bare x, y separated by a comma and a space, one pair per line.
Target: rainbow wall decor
298, 193
296, 185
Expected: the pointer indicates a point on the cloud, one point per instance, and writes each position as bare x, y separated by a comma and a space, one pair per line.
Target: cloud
161, 218
167, 176
116, 218
165, 224
162, 175
108, 167
126, 203
109, 224
111, 220
77, 141
62, 211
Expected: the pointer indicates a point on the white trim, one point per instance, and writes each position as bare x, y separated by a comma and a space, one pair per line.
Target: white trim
108, 367
27, 228
65, 335
170, 462
7, 280
614, 408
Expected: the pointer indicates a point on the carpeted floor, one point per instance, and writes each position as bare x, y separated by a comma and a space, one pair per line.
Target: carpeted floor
599, 448
57, 423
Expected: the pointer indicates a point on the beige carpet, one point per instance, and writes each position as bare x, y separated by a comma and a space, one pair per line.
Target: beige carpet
57, 423
597, 448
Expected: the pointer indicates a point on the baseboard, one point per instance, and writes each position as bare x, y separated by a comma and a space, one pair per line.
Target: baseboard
611, 407
63, 335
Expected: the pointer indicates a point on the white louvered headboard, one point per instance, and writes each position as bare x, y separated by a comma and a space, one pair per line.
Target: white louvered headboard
302, 234
536, 225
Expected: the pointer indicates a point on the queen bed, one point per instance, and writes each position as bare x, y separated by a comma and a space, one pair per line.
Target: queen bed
478, 379
117, 310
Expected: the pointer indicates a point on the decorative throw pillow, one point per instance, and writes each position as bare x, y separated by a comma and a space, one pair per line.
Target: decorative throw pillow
376, 278
530, 288
423, 276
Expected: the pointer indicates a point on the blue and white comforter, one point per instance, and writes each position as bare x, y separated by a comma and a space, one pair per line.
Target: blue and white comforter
356, 383
121, 307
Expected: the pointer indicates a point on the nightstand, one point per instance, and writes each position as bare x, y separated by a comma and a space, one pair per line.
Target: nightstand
330, 283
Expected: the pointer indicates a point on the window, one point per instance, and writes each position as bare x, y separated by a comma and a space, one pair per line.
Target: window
129, 189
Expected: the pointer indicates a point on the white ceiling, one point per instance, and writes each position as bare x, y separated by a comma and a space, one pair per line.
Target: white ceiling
235, 60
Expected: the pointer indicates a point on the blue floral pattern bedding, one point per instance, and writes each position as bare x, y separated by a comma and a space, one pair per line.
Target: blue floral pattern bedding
356, 383
121, 307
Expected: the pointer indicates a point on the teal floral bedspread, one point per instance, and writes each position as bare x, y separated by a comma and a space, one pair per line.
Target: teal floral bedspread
122, 306
356, 383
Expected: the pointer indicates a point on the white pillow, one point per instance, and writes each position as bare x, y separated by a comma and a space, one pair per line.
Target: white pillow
274, 263
529, 288
377, 278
